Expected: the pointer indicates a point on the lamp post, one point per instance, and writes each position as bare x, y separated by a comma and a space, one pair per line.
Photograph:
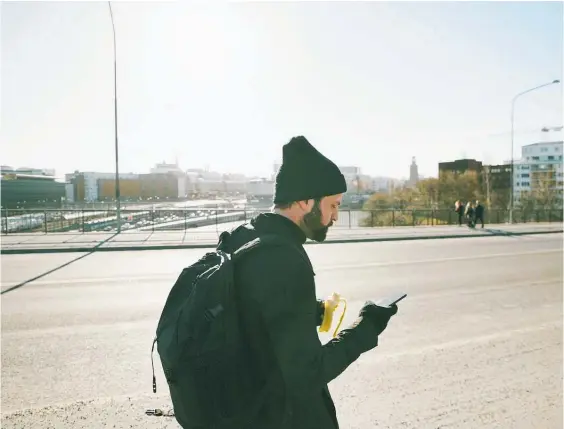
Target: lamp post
512, 141
118, 207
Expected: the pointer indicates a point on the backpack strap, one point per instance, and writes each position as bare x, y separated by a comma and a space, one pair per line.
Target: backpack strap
267, 240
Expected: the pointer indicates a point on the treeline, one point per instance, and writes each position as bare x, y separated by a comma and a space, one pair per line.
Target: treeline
432, 200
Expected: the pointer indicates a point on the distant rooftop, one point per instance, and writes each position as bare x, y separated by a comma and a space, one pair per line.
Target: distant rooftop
17, 175
542, 143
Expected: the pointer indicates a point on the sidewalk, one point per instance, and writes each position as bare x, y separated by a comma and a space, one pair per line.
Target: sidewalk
207, 237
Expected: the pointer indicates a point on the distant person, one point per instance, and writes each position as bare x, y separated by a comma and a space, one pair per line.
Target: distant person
459, 209
479, 213
469, 213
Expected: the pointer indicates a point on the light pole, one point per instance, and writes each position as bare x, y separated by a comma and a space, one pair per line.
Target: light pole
512, 178
118, 208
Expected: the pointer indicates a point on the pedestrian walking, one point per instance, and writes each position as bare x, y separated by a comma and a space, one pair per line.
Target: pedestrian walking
479, 213
459, 209
469, 213
275, 372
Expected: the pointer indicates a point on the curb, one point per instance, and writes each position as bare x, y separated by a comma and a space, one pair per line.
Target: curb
212, 246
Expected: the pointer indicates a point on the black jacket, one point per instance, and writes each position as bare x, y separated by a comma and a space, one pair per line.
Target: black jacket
279, 319
479, 211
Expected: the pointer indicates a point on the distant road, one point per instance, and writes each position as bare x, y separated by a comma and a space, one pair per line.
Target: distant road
476, 344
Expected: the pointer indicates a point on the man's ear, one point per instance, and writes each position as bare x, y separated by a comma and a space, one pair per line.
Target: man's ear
306, 205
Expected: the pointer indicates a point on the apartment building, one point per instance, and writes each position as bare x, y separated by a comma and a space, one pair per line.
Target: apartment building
540, 167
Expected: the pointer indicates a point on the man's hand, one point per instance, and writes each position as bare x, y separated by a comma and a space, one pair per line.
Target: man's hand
378, 316
372, 321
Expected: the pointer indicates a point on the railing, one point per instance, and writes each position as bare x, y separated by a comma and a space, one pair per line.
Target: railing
430, 217
91, 220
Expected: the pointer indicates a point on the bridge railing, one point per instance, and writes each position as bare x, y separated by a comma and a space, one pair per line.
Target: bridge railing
143, 220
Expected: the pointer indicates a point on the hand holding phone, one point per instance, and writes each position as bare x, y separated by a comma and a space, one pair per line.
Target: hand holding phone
390, 300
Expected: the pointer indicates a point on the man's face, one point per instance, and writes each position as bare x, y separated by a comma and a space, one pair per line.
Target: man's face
320, 216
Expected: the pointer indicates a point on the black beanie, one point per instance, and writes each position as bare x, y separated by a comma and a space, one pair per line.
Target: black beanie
306, 174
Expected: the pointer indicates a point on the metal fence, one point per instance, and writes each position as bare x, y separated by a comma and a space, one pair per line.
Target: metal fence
91, 220
430, 217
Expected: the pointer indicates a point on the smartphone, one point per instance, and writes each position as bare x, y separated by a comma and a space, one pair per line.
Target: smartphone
391, 300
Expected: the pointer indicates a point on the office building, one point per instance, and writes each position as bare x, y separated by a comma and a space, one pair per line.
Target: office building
539, 169
21, 190
460, 166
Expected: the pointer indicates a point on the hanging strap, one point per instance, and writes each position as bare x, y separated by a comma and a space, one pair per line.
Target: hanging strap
153, 365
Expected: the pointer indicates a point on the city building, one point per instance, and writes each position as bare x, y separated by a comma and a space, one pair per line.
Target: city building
260, 191
5, 169
86, 186
168, 186
129, 188
496, 182
164, 168
413, 174
352, 177
380, 184
460, 166
165, 181
69, 193
261, 187
211, 183
357, 182
235, 184
21, 190
539, 170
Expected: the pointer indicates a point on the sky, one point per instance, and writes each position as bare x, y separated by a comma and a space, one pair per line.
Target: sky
225, 85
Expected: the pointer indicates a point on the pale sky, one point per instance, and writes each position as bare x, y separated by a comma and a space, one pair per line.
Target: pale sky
369, 84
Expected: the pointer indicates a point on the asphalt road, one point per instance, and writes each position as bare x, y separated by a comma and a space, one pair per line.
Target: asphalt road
477, 342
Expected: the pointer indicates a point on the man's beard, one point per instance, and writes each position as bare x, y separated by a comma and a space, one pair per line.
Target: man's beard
313, 225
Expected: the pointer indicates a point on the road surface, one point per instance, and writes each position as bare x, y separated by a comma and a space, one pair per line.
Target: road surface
477, 343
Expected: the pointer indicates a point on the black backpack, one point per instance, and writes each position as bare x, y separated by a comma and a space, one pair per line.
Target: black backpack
199, 339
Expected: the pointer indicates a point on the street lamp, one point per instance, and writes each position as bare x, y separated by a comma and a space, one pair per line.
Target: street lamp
512, 141
118, 208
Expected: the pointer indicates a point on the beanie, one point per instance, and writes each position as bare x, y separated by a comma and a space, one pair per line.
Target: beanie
306, 174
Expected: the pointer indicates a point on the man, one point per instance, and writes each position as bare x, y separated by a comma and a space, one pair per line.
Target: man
479, 213
459, 209
287, 368
470, 213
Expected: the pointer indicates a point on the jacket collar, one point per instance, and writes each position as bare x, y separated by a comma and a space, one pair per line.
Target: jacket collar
274, 223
